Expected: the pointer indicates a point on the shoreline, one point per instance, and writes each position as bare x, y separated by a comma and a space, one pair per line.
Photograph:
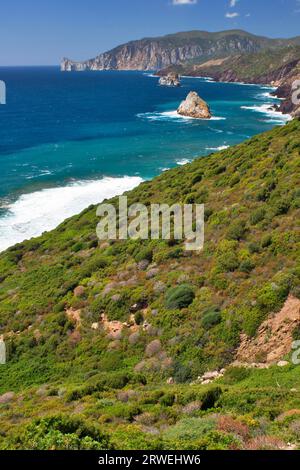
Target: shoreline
209, 79
52, 205
272, 108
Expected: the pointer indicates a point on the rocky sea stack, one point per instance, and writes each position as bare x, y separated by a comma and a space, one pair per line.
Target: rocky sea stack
195, 107
172, 79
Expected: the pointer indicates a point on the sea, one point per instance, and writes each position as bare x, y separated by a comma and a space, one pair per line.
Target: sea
68, 140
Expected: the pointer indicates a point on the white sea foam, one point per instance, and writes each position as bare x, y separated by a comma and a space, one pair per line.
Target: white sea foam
216, 149
268, 87
265, 95
205, 79
164, 169
42, 173
268, 95
184, 161
273, 115
151, 75
33, 213
167, 115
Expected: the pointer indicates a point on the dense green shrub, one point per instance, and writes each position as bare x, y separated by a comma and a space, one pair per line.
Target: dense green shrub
93, 265
189, 429
144, 253
181, 372
266, 241
210, 398
236, 374
139, 318
253, 247
197, 178
252, 319
234, 180
179, 297
281, 207
237, 230
167, 399
257, 216
62, 433
226, 256
211, 317
247, 266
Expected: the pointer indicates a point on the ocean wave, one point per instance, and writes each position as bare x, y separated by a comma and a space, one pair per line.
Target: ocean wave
268, 95
167, 115
265, 95
38, 175
163, 169
151, 75
217, 149
33, 213
184, 161
268, 87
275, 116
205, 79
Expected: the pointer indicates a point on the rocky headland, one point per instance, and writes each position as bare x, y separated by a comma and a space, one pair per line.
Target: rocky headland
173, 49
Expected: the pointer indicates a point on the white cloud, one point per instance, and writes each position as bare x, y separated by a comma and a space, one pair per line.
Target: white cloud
232, 15
233, 3
184, 2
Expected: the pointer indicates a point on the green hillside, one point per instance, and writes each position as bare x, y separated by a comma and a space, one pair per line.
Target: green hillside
255, 67
71, 383
207, 38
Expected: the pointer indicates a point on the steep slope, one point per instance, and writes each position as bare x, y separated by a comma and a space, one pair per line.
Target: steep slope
156, 53
114, 333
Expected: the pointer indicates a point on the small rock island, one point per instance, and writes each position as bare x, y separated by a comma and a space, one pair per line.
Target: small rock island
195, 107
172, 79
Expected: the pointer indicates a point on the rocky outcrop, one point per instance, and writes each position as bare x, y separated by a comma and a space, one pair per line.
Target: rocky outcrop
274, 337
172, 79
195, 107
158, 53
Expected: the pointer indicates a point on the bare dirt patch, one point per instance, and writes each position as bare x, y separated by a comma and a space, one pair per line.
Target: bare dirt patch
274, 337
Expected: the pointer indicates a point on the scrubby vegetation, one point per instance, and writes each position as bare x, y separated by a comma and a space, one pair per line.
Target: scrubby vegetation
106, 340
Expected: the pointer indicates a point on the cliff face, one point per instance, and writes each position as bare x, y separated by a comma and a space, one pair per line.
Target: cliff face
283, 78
157, 53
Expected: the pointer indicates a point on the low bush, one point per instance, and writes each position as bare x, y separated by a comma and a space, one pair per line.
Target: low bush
179, 297
211, 317
236, 374
237, 230
62, 433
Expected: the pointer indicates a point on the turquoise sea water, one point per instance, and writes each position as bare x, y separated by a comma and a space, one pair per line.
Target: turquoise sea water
71, 139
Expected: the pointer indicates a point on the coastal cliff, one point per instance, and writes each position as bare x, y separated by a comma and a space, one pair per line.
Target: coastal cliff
275, 67
157, 53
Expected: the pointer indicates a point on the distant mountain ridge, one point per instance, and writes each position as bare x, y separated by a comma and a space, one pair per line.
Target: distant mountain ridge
173, 49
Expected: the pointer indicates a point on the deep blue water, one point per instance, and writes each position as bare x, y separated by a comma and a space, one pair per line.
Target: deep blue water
60, 130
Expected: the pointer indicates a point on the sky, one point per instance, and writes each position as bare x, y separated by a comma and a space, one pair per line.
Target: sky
41, 32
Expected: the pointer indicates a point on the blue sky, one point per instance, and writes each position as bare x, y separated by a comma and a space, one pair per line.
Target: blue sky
41, 32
